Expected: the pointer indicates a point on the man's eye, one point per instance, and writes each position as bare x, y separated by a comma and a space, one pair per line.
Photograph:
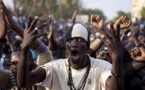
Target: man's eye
80, 40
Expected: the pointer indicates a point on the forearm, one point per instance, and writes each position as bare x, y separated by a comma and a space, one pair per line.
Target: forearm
117, 79
44, 54
51, 42
117, 64
23, 68
96, 45
50, 45
19, 30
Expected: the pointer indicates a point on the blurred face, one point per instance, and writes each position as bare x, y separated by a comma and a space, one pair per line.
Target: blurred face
142, 39
104, 55
76, 49
15, 56
7, 63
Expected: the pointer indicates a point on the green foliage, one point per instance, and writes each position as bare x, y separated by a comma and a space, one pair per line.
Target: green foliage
65, 11
59, 8
143, 12
121, 13
35, 7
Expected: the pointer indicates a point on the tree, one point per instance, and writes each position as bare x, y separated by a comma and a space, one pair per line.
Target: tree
121, 13
36, 7
59, 8
143, 12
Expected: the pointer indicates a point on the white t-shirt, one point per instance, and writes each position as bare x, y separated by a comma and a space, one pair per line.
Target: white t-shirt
57, 75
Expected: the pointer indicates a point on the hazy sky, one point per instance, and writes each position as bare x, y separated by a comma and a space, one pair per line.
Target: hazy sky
109, 7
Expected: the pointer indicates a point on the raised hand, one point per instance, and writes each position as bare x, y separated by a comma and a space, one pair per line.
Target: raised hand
124, 22
73, 17
30, 33
3, 29
113, 41
7, 14
115, 50
135, 34
50, 27
97, 22
138, 58
126, 34
9, 19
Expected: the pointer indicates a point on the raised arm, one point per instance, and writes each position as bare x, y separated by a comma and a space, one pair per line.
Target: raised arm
10, 40
50, 34
115, 49
24, 77
14, 26
97, 22
124, 22
38, 46
73, 16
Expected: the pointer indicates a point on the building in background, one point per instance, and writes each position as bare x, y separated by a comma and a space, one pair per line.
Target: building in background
136, 8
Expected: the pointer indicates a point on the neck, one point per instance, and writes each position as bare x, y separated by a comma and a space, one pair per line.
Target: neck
82, 64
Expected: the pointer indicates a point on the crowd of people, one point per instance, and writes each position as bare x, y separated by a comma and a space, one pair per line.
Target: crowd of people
44, 54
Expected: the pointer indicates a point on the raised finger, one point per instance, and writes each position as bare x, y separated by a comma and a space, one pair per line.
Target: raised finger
41, 26
126, 20
105, 33
43, 34
97, 18
29, 21
91, 19
34, 32
129, 22
112, 30
51, 19
26, 25
33, 23
123, 18
118, 30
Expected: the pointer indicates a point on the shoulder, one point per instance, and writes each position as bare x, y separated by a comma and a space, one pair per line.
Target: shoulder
58, 61
100, 63
55, 63
5, 81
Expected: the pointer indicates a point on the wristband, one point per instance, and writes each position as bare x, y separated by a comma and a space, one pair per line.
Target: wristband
117, 75
41, 48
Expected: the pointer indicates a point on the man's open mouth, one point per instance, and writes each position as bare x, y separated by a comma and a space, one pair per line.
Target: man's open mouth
75, 54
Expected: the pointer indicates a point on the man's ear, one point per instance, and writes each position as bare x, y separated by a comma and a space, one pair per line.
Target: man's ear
66, 53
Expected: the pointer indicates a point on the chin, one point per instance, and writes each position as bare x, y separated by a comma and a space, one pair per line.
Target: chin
74, 61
